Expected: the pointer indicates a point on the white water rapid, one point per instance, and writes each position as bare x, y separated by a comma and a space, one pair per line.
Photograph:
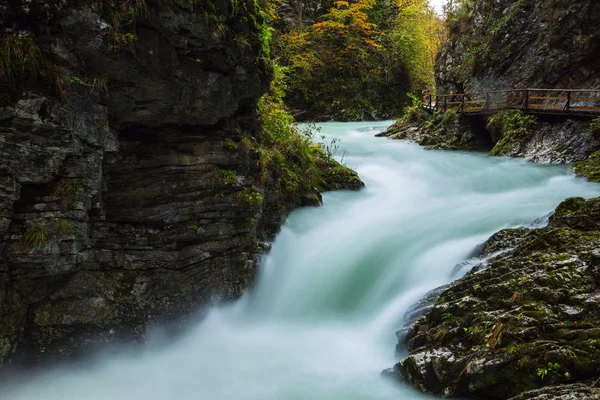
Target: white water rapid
320, 323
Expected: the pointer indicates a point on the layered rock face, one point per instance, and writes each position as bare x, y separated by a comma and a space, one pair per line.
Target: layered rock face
128, 197
504, 44
524, 319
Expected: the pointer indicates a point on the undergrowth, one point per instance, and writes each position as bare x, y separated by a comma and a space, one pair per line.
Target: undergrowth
290, 160
23, 65
415, 111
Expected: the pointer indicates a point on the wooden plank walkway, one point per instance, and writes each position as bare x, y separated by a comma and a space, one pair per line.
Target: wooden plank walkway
578, 102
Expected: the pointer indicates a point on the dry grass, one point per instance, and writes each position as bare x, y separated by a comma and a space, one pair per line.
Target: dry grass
517, 298
19, 57
35, 236
67, 191
99, 86
63, 226
494, 338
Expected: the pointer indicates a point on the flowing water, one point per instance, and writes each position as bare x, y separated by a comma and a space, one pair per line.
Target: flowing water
320, 323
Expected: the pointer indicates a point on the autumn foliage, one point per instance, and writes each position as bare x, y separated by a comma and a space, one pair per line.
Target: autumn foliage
359, 60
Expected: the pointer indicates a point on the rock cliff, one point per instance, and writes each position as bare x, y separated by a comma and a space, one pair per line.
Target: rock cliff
508, 44
131, 192
504, 44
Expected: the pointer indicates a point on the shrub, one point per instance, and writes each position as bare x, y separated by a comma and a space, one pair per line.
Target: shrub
414, 112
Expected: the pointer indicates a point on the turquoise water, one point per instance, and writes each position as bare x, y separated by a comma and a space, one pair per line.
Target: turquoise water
320, 323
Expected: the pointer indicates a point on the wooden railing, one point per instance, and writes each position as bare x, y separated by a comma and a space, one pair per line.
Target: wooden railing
544, 101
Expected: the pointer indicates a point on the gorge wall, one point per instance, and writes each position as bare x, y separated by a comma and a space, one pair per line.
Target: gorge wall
508, 44
505, 44
132, 187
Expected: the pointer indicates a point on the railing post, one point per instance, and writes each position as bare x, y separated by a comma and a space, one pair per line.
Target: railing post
566, 108
526, 102
486, 106
437, 102
430, 101
445, 104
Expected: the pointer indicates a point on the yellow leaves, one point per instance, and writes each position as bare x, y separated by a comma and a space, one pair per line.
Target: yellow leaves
371, 43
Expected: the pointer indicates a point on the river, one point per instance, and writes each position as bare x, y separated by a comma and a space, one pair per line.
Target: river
319, 325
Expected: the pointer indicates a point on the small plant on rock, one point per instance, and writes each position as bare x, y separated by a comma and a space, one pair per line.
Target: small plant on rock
35, 236
249, 197
68, 191
230, 144
543, 371
448, 316
595, 127
414, 112
63, 226
229, 176
494, 337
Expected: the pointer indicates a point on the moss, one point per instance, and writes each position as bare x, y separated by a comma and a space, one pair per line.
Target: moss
510, 128
595, 127
589, 168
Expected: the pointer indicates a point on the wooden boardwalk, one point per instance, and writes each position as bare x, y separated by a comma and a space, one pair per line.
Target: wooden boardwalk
577, 102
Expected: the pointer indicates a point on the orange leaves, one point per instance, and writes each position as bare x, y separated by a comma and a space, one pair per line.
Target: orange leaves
371, 43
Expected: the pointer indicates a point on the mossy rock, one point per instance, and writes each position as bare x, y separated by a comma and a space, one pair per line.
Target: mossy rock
589, 168
528, 319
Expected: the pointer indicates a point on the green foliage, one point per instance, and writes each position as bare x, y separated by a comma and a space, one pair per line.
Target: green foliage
122, 17
412, 41
415, 111
448, 317
543, 371
458, 14
35, 236
230, 144
290, 161
78, 80
249, 197
590, 168
229, 176
595, 127
494, 337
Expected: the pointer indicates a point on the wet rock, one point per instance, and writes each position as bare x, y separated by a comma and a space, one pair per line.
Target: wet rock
448, 131
527, 321
564, 392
